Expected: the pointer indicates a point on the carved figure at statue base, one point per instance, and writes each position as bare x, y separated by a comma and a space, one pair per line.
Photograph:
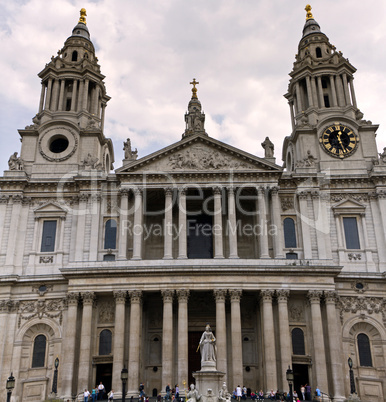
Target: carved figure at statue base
193, 395
15, 162
224, 395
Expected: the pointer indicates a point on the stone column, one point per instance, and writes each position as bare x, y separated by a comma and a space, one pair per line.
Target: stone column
309, 91
320, 226
13, 230
103, 106
333, 91
276, 220
182, 358
303, 217
269, 340
263, 237
379, 230
167, 338
237, 350
74, 93
346, 91
339, 90
81, 227
85, 340
182, 253
61, 94
42, 93
69, 345
334, 341
339, 235
353, 97
55, 95
95, 209
319, 355
168, 224
138, 228
221, 335
122, 236
3, 208
284, 334
291, 105
80, 95
314, 91
119, 339
48, 96
217, 229
232, 224
298, 98
85, 94
320, 92
134, 341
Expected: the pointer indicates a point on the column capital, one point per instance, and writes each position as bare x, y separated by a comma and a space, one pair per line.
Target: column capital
72, 298
260, 190
183, 295
275, 190
235, 295
135, 296
124, 192
137, 191
282, 295
88, 298
120, 296
182, 191
168, 191
231, 189
216, 190
266, 295
330, 297
167, 295
220, 294
314, 296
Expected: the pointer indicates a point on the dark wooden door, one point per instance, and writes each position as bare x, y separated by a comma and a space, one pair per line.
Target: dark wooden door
200, 236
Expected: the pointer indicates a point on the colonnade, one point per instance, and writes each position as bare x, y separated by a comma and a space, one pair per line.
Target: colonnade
274, 361
85, 96
341, 93
263, 213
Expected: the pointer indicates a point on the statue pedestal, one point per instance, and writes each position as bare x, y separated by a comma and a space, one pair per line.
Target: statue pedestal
208, 382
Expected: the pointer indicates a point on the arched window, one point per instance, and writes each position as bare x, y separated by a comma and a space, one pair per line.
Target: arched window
298, 347
74, 56
364, 350
111, 234
105, 338
318, 52
39, 352
289, 233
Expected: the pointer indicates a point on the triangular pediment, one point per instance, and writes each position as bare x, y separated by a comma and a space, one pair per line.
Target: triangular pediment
348, 205
199, 153
50, 209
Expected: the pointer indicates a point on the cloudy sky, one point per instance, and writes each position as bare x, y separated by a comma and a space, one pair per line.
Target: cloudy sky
240, 51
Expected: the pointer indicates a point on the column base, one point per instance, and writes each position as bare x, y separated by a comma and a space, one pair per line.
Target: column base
167, 258
136, 258
182, 258
233, 257
219, 257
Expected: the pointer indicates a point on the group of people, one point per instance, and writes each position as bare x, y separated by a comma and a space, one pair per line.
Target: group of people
97, 394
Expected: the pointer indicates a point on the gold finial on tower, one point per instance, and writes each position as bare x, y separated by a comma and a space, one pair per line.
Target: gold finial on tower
194, 89
83, 16
309, 13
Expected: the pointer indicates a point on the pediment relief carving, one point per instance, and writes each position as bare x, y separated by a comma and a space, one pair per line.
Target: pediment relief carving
200, 156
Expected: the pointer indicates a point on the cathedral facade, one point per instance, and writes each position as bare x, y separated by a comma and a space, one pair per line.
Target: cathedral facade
101, 271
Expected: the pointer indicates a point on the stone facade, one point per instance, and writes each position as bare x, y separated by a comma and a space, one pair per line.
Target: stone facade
104, 270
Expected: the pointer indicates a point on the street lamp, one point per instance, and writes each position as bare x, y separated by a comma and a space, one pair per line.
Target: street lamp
351, 372
10, 386
54, 389
124, 377
290, 379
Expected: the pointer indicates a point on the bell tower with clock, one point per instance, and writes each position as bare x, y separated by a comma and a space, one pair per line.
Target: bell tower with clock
328, 129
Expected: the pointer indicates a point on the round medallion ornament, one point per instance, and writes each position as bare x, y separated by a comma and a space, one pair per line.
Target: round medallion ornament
339, 141
57, 144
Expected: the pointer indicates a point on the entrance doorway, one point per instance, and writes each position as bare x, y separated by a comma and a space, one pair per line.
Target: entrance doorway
300, 376
104, 373
194, 356
200, 236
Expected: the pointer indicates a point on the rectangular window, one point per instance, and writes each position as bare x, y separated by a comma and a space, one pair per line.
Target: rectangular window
48, 237
351, 233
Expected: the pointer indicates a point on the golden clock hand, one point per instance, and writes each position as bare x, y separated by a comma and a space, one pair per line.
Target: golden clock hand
340, 142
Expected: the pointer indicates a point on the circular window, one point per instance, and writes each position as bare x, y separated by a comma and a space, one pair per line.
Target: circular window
58, 144
359, 286
42, 288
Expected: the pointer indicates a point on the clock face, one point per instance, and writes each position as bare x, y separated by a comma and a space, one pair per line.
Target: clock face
339, 141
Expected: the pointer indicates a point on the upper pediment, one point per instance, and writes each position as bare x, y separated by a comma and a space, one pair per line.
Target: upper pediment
50, 209
348, 206
199, 153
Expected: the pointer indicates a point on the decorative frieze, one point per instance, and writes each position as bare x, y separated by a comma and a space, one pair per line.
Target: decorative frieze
46, 259
41, 308
9, 306
296, 312
287, 203
354, 256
